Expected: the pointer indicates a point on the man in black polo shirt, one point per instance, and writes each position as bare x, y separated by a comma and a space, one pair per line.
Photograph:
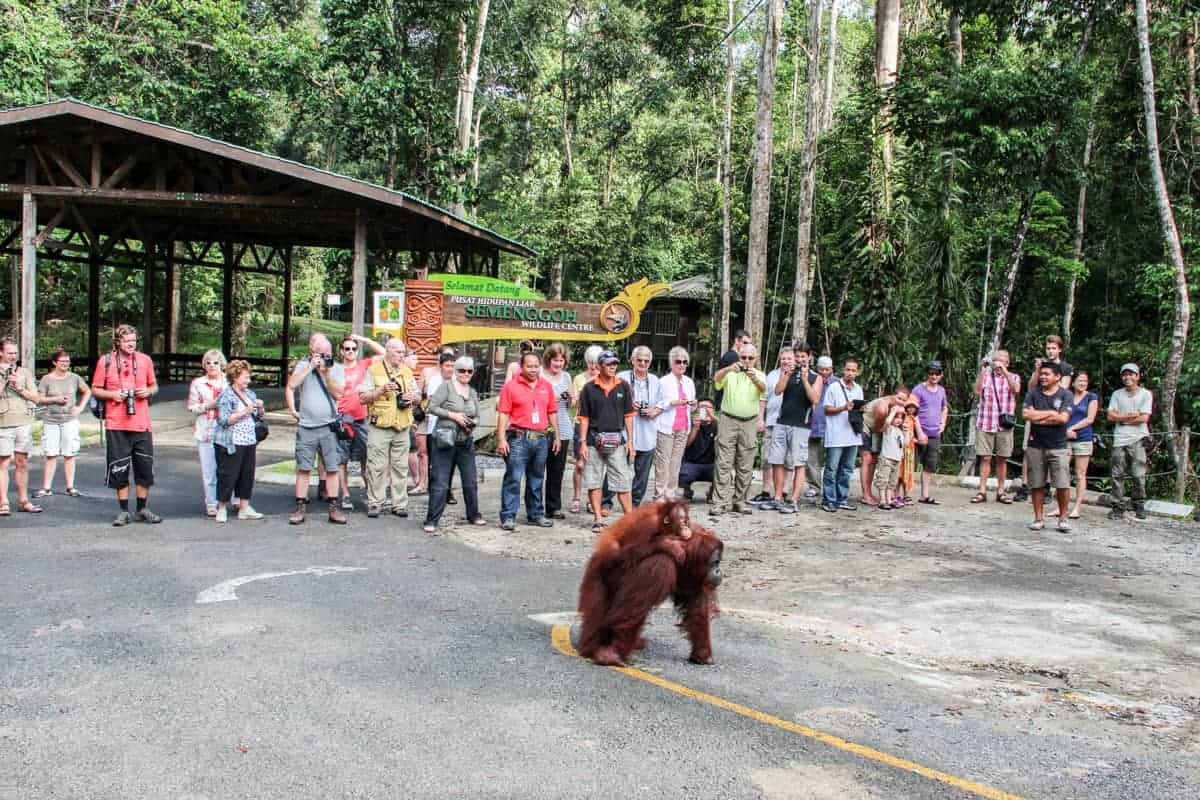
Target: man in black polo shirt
606, 431
700, 456
1047, 459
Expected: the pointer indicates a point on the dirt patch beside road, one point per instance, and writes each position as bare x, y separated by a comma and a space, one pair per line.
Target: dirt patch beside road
1102, 623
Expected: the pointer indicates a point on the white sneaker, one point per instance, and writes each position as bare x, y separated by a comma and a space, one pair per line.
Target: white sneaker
210, 509
1063, 525
222, 515
249, 513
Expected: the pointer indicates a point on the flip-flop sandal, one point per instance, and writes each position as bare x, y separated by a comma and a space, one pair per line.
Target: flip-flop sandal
597, 527
575, 506
929, 501
29, 508
980, 498
40, 493
1072, 516
5, 511
1005, 499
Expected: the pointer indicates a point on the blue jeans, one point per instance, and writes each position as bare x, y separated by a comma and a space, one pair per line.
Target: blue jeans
839, 465
526, 460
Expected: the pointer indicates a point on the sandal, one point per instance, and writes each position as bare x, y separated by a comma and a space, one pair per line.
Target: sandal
575, 506
5, 511
1004, 498
40, 493
980, 497
597, 526
929, 501
29, 508
72, 491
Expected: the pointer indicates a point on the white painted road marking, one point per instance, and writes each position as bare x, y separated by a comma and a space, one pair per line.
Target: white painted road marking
555, 618
227, 590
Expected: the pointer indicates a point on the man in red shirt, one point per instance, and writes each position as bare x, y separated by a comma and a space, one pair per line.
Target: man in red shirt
124, 380
525, 431
355, 363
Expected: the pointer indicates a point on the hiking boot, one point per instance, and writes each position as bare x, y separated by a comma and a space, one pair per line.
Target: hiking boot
335, 514
121, 520
147, 516
1117, 513
297, 516
542, 522
450, 499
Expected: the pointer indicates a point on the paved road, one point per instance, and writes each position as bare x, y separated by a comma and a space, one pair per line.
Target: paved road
421, 674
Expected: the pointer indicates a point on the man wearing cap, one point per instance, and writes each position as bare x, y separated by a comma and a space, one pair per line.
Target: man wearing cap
1047, 459
816, 438
525, 436
744, 389
932, 411
606, 427
1129, 410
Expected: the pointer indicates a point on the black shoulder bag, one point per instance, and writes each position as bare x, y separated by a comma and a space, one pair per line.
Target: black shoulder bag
1006, 421
339, 430
261, 431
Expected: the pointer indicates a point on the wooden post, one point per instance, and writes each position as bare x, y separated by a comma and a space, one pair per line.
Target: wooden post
287, 313
15, 294
358, 302
227, 299
28, 281
174, 296
93, 320
150, 250
1182, 448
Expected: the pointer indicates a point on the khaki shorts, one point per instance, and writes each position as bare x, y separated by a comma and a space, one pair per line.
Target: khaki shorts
999, 443
17, 439
1080, 448
614, 466
786, 445
1048, 468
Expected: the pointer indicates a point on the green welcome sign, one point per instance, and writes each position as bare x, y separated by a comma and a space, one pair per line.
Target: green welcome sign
482, 286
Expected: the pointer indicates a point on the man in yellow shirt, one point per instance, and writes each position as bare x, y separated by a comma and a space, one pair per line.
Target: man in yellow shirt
744, 388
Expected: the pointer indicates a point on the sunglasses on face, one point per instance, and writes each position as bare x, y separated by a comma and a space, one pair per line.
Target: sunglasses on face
350, 349
684, 362
747, 358
642, 360
465, 371
206, 363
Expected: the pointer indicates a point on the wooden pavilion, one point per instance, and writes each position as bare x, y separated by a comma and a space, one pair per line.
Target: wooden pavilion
96, 188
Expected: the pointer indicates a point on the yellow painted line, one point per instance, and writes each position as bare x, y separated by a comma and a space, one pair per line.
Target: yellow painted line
560, 638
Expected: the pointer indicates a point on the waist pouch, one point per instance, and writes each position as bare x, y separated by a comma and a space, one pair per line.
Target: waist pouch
607, 443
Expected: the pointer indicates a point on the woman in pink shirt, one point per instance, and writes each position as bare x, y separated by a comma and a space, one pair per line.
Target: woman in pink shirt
202, 401
677, 398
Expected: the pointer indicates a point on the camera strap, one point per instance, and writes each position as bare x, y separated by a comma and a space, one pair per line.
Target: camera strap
321, 382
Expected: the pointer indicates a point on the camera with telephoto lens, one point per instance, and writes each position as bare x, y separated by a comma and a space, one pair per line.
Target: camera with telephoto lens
402, 402
130, 403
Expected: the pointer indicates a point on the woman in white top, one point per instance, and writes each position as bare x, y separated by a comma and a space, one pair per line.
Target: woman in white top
202, 401
554, 363
676, 398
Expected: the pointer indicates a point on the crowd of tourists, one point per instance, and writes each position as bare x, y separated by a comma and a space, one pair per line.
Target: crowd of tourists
408, 431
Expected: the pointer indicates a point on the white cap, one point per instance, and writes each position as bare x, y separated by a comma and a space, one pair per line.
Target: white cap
1131, 367
824, 362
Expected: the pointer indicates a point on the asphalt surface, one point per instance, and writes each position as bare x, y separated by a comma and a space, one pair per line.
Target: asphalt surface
421, 674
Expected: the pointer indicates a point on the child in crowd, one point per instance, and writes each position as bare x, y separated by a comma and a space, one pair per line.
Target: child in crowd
890, 453
907, 473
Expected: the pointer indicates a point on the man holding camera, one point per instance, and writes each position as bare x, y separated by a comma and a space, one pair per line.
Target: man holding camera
319, 380
645, 428
700, 455
997, 390
16, 426
124, 380
526, 414
389, 390
744, 392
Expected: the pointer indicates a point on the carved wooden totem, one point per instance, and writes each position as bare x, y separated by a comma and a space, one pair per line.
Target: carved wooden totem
423, 304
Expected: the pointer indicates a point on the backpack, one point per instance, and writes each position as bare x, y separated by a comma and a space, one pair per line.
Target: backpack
96, 405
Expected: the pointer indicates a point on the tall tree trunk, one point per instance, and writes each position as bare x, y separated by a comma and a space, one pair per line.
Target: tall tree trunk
467, 80
792, 143
830, 69
808, 178
760, 187
1170, 232
726, 170
1024, 216
475, 141
887, 66
946, 305
1080, 218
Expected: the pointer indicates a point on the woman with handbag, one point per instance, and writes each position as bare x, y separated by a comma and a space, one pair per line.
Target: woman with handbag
239, 429
455, 404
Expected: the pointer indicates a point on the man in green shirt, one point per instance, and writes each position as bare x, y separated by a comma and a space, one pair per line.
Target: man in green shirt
743, 389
